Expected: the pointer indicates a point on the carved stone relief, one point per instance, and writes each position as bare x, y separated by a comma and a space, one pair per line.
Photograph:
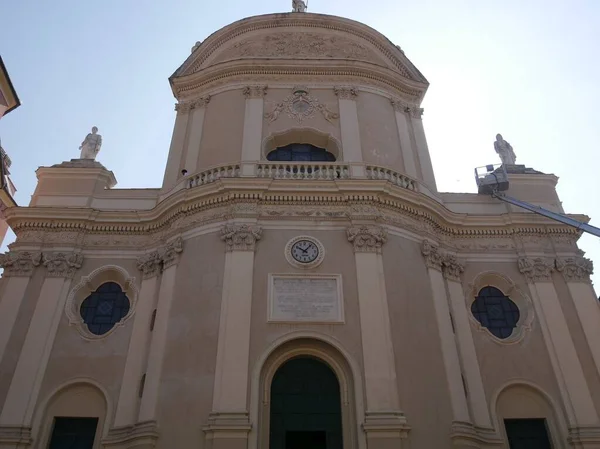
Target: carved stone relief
255, 91
149, 264
575, 269
240, 237
62, 264
346, 92
19, 263
153, 263
187, 106
536, 269
171, 251
403, 106
367, 239
300, 106
442, 261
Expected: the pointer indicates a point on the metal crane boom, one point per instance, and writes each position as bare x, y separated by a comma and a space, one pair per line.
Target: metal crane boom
549, 214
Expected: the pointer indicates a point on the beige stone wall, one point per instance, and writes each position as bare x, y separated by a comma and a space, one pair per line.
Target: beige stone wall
222, 131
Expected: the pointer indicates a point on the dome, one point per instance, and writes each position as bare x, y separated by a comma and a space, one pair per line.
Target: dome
301, 47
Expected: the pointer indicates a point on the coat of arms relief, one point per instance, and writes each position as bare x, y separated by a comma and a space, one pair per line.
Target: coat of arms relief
301, 106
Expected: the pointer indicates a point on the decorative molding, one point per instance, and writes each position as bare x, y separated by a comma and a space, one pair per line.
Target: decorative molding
255, 91
19, 263
15, 436
367, 239
170, 253
452, 268
241, 237
62, 264
301, 106
187, 106
575, 269
536, 269
346, 92
415, 112
400, 105
432, 254
142, 434
149, 264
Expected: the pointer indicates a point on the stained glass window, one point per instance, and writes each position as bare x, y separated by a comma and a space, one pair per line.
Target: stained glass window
104, 308
496, 312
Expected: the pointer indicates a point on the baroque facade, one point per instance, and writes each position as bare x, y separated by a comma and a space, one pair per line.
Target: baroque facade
298, 280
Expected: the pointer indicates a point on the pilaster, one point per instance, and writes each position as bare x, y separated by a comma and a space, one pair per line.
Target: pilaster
416, 122
575, 392
385, 424
253, 125
169, 256
31, 366
401, 111
350, 128
18, 268
174, 162
196, 117
228, 424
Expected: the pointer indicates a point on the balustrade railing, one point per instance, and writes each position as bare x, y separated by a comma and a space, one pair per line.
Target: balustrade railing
375, 172
213, 174
298, 170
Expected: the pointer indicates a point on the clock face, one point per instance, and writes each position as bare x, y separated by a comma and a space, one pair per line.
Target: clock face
305, 251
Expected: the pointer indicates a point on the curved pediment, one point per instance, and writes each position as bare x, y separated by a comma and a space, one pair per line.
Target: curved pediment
312, 40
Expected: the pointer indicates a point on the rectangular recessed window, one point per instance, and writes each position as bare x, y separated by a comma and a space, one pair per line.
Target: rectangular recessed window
527, 433
73, 433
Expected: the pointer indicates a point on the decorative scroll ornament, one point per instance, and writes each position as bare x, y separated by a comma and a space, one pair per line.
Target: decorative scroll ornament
241, 237
187, 106
149, 264
432, 254
451, 267
367, 239
300, 106
575, 269
536, 269
255, 91
346, 92
19, 263
171, 252
62, 264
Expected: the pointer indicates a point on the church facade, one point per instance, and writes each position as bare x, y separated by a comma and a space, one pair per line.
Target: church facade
298, 280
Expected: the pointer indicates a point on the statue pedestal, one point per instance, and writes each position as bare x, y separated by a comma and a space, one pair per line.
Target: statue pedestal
72, 183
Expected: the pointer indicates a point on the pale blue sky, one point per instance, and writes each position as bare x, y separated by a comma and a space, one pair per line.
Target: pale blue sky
529, 69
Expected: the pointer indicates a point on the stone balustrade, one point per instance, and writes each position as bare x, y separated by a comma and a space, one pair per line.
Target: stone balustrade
324, 171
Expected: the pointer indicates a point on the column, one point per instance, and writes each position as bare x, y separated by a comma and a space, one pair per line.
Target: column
577, 272
31, 366
169, 257
422, 149
18, 268
563, 355
434, 260
228, 424
192, 151
476, 399
383, 418
172, 170
126, 414
253, 127
351, 146
408, 156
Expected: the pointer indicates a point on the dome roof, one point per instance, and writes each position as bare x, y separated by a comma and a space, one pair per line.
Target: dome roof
299, 46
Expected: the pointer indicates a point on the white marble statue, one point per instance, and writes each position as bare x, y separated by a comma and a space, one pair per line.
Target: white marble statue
91, 145
504, 150
298, 6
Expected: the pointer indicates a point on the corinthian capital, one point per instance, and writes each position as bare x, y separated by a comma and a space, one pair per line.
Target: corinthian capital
241, 237
255, 91
575, 269
451, 267
346, 92
187, 106
170, 253
432, 255
367, 239
62, 264
19, 263
536, 269
149, 264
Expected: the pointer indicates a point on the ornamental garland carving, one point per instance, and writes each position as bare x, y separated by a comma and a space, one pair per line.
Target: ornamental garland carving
62, 264
170, 254
240, 237
575, 269
442, 261
432, 254
536, 269
153, 263
452, 268
346, 92
255, 91
367, 239
149, 264
19, 263
301, 106
187, 106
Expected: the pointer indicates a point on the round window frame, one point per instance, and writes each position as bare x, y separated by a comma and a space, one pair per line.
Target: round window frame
89, 284
293, 262
515, 294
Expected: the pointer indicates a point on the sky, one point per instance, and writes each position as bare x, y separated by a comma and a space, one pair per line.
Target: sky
529, 69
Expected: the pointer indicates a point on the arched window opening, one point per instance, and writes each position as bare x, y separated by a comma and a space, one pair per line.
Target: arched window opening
496, 312
305, 406
104, 308
300, 152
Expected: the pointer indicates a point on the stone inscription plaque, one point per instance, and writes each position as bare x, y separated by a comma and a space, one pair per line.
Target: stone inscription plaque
305, 299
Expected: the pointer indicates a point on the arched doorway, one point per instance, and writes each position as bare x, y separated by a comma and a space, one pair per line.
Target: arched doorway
305, 406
